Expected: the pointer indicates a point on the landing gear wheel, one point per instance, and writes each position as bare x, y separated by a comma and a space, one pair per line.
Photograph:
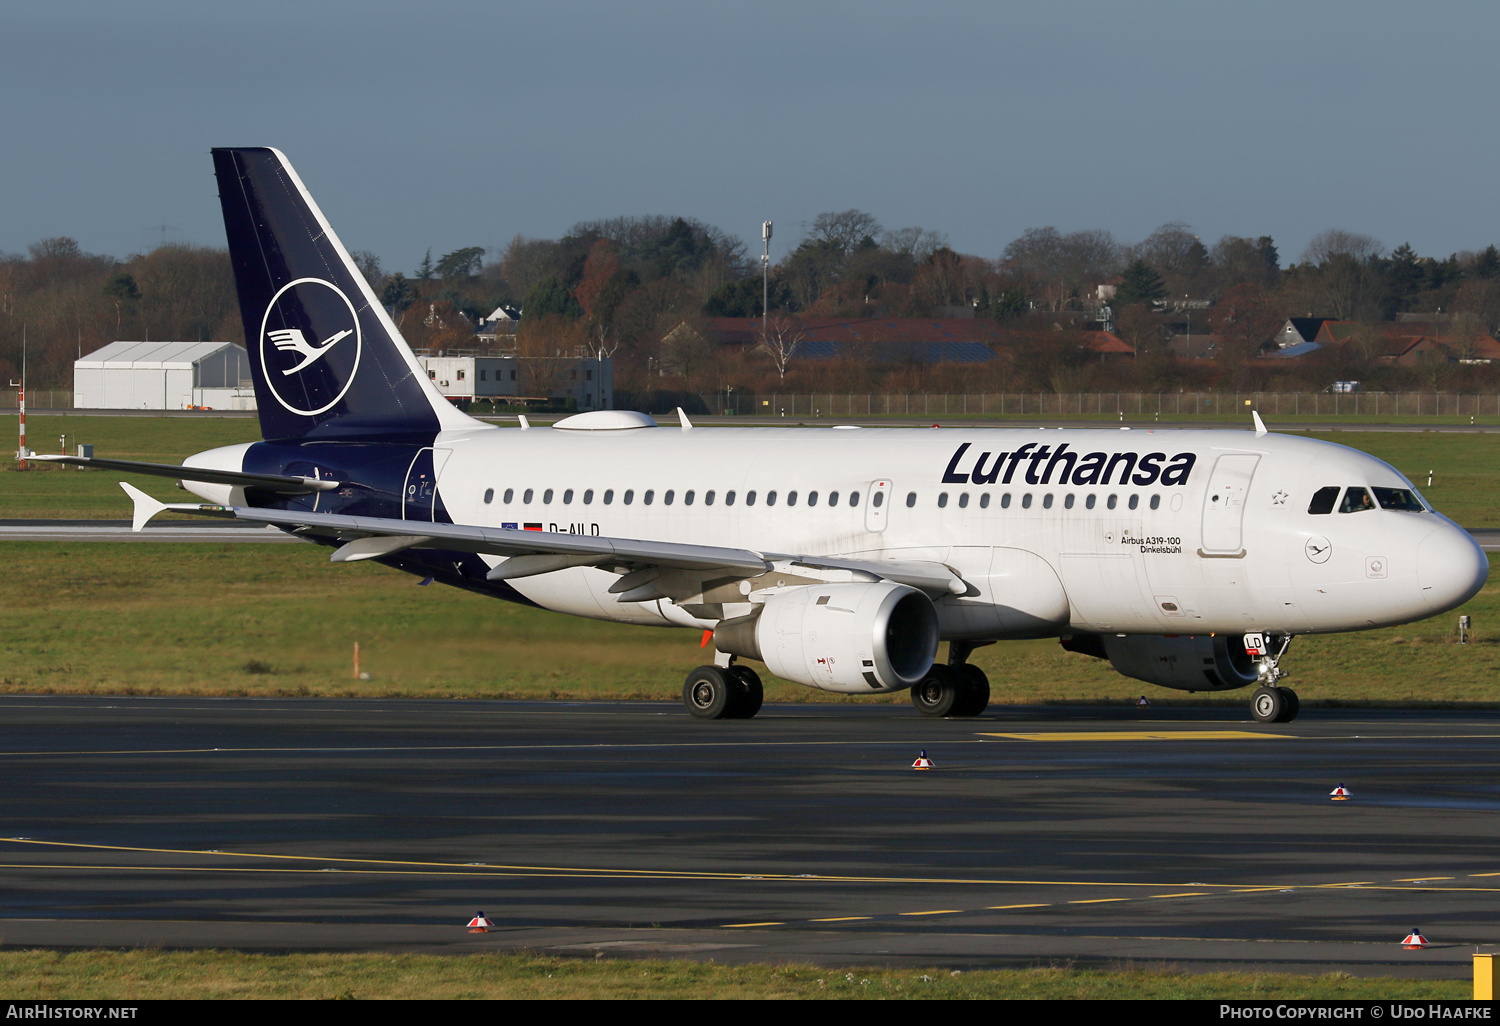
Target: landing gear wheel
709, 693
748, 694
1293, 705
976, 690
1269, 705
938, 692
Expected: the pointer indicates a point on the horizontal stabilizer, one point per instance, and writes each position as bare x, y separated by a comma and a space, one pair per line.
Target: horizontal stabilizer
265, 482
146, 507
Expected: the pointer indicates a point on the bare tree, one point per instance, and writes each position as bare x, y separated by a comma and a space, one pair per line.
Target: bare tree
917, 243
1335, 243
780, 342
846, 229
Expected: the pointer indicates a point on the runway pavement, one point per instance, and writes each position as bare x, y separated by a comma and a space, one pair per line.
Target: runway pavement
1095, 835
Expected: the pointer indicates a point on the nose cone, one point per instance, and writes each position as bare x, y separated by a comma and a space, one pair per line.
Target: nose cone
1451, 568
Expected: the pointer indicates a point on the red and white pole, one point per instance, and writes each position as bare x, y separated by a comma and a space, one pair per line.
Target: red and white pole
22, 403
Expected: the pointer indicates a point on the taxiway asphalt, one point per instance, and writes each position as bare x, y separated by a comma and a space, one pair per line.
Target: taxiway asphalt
1093, 835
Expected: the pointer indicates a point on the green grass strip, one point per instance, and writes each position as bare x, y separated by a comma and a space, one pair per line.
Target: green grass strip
40, 975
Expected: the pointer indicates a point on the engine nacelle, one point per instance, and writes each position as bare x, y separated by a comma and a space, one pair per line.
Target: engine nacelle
1188, 663
854, 638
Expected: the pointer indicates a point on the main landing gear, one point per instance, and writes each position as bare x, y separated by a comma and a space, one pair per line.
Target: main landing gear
958, 689
1271, 703
729, 692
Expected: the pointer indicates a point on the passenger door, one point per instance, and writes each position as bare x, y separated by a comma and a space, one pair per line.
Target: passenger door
1224, 505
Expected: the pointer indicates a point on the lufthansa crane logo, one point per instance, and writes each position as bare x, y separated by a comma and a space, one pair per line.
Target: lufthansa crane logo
310, 345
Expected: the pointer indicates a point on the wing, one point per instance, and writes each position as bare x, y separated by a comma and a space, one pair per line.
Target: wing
281, 485
648, 569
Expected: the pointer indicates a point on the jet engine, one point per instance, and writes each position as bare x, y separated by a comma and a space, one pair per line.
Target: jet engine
854, 638
1200, 662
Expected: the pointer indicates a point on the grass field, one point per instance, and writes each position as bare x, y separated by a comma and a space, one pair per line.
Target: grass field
145, 975
234, 619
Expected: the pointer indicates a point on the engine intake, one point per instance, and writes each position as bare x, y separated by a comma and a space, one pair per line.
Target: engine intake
853, 638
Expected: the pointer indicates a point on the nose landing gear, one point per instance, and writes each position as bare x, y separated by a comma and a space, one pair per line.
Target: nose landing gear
1271, 703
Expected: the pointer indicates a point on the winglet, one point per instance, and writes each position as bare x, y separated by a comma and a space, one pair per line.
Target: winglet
1260, 425
525, 424
145, 506
687, 425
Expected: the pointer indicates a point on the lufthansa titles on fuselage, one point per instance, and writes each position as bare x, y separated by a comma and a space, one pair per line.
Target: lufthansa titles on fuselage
1042, 461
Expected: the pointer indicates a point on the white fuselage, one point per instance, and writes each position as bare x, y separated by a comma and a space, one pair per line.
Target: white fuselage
1231, 548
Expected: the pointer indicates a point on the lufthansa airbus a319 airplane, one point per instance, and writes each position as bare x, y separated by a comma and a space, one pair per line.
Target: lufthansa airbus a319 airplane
839, 558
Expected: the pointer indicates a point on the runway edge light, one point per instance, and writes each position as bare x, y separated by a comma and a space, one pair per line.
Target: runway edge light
1414, 941
479, 924
922, 763
1340, 794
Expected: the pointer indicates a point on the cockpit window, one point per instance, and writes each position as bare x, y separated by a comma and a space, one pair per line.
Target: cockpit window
1403, 499
1323, 500
1356, 500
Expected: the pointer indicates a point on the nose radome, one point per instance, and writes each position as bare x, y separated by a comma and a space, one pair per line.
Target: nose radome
1451, 568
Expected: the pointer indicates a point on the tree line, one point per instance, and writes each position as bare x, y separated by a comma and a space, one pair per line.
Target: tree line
641, 290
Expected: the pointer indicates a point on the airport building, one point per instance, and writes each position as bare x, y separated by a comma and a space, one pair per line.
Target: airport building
164, 376
585, 383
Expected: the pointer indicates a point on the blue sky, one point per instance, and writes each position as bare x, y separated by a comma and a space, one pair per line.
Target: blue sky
447, 124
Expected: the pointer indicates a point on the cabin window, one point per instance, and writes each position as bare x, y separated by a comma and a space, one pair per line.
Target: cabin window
526, 496
1047, 501
1356, 500
750, 497
510, 493
771, 498
1089, 501
650, 494
1112, 501
729, 497
853, 498
984, 501
1156, 502
687, 497
1322, 501
629, 496
1398, 498
547, 496
911, 499
489, 496
1135, 500
812, 498
588, 496
708, 497
791, 498
609, 496
942, 499
1026, 501
1005, 501
963, 500
667, 499
568, 497
1068, 501
833, 498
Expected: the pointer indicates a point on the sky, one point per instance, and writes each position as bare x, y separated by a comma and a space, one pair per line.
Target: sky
450, 123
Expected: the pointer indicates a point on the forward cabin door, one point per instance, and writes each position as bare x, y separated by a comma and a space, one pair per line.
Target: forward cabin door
877, 505
1224, 505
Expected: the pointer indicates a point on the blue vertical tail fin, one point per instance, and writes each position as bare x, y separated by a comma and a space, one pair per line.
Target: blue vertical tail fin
325, 357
